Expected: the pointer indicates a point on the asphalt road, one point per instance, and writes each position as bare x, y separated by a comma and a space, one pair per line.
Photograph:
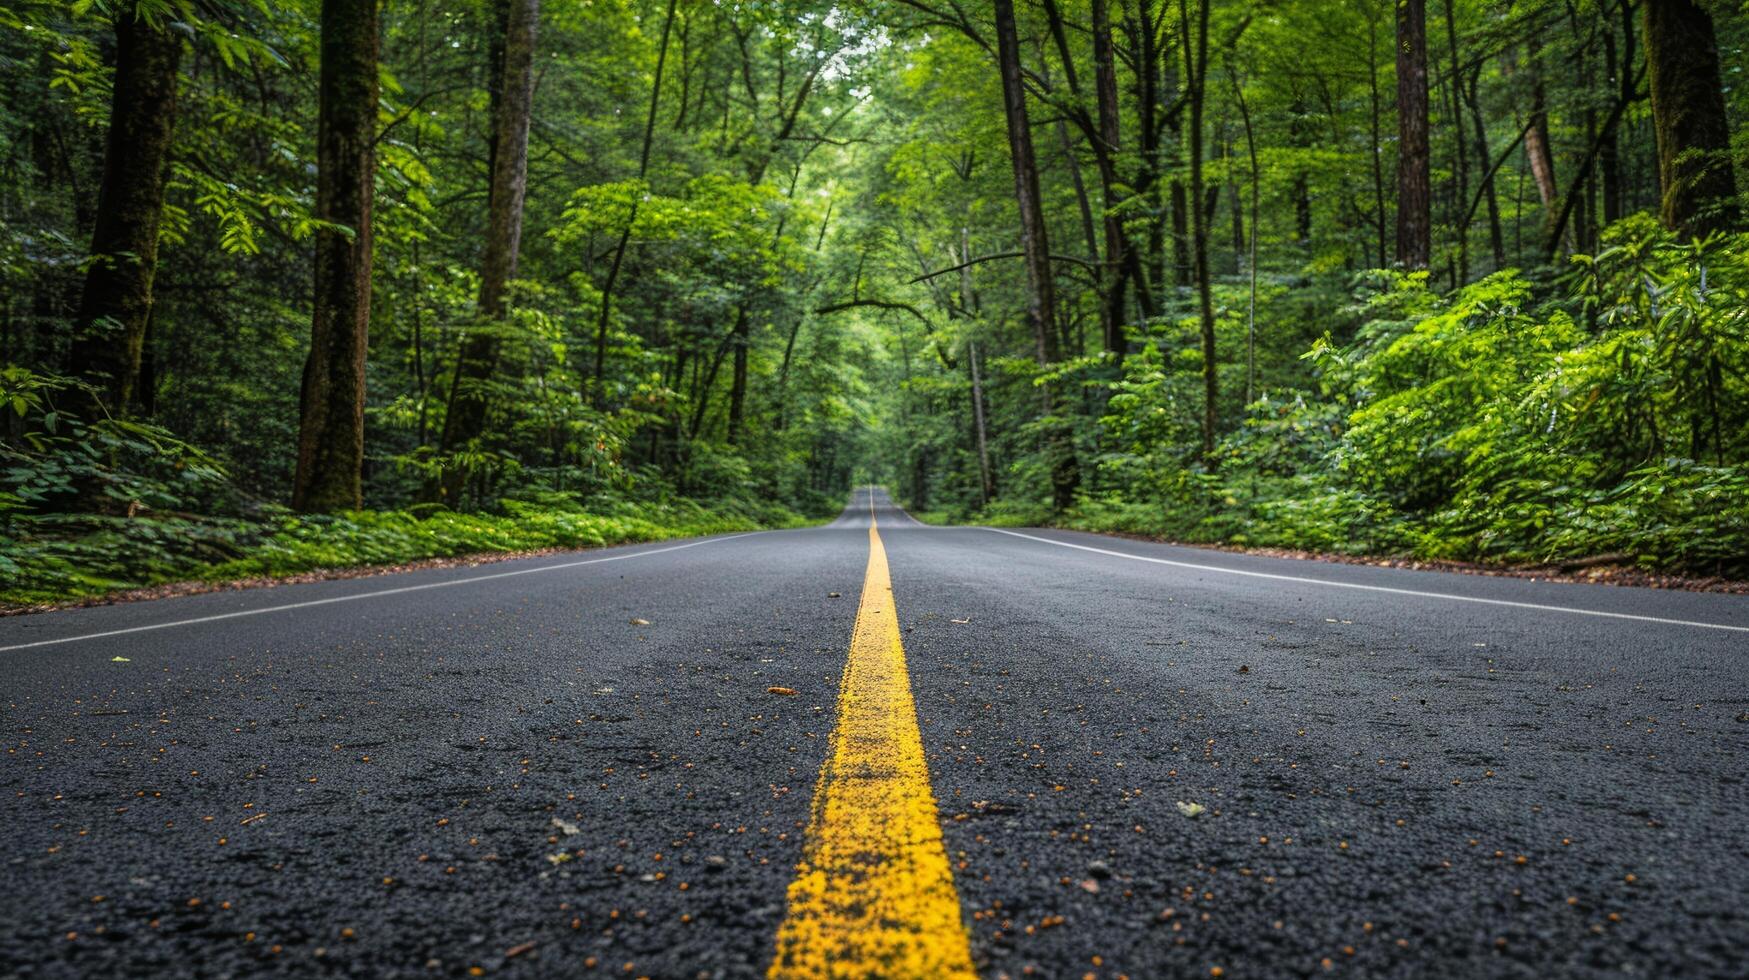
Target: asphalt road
579, 763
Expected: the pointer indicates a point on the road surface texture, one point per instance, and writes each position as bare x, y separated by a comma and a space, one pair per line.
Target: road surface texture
1056, 755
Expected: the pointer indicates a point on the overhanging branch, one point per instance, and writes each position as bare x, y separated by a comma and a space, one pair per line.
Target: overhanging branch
1002, 255
876, 303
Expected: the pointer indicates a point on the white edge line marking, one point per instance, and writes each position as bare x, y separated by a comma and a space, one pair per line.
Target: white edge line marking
364, 595
1373, 588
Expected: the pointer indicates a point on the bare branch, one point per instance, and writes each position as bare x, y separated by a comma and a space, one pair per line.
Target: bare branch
1003, 255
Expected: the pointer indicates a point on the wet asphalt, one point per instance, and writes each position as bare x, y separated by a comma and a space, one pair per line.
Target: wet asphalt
575, 765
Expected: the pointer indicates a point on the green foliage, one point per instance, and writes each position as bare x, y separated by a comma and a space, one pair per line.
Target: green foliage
91, 507
94, 555
1611, 418
55, 460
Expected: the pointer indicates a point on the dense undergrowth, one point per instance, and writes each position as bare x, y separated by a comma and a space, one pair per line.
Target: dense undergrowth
91, 555
87, 509
1603, 416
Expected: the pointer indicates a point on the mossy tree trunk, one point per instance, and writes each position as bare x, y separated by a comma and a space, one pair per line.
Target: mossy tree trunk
1688, 114
331, 427
117, 300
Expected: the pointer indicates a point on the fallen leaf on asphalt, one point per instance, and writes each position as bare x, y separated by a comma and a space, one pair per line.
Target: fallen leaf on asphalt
559, 858
566, 827
1191, 810
120, 660
640, 622
1244, 668
780, 690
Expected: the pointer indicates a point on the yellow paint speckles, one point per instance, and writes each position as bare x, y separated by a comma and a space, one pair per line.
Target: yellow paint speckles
874, 895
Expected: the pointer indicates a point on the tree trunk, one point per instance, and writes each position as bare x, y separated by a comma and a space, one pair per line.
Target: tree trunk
1378, 141
704, 388
1035, 241
1609, 157
1586, 215
331, 429
625, 237
117, 300
1235, 211
1256, 179
1119, 260
1178, 205
1571, 201
1083, 203
465, 420
1414, 164
1455, 84
1150, 133
1194, 40
1621, 67
1118, 266
1479, 133
740, 339
1183, 272
1041, 302
986, 484
1688, 113
1536, 138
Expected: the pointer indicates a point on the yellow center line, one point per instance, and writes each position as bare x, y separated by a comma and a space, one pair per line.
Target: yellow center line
874, 895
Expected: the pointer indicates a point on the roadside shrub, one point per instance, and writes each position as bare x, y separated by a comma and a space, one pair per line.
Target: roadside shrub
1605, 417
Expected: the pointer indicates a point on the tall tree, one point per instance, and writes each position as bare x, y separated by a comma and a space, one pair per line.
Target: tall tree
1120, 260
1193, 32
331, 426
1251, 264
1414, 159
1454, 92
1120, 264
1041, 301
1376, 149
466, 418
1621, 70
117, 301
1479, 134
1688, 113
625, 235
1538, 148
